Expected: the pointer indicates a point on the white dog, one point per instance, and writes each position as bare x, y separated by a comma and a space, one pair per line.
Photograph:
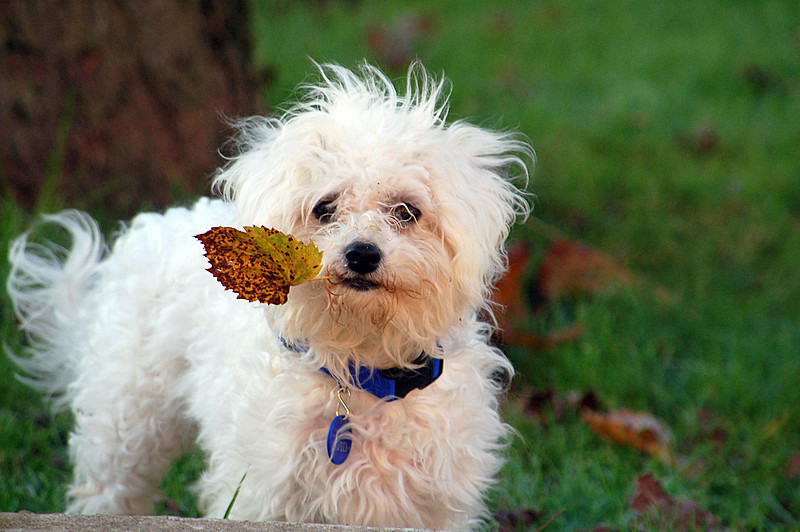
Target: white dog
389, 358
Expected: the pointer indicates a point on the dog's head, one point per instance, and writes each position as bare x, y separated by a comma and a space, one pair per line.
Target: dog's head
410, 212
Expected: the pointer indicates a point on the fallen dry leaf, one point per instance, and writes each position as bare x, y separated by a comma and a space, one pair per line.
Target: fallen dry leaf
570, 268
711, 428
792, 467
640, 430
513, 520
396, 44
545, 405
509, 289
260, 264
540, 403
512, 308
513, 336
652, 502
705, 140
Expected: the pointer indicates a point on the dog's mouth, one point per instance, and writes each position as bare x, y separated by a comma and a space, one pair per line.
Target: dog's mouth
360, 284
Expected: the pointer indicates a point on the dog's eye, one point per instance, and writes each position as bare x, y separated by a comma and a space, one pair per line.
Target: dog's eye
324, 210
405, 213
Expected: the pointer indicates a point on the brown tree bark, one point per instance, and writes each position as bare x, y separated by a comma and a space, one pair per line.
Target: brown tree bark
119, 105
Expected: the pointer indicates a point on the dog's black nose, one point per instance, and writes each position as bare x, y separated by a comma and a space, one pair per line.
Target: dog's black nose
362, 257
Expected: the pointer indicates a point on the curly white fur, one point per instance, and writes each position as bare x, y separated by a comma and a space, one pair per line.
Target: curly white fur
152, 354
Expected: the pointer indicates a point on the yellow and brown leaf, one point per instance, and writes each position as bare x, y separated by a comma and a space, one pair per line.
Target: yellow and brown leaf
260, 264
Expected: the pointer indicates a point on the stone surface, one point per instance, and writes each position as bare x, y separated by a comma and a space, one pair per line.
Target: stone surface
80, 523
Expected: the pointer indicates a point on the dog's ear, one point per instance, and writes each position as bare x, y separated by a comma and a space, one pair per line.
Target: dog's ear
481, 202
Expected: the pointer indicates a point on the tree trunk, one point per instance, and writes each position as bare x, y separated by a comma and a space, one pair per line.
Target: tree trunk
119, 105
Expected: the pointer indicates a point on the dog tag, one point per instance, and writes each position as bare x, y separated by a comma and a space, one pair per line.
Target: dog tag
339, 441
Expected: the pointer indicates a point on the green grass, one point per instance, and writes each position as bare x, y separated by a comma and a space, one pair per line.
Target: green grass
666, 135
33, 458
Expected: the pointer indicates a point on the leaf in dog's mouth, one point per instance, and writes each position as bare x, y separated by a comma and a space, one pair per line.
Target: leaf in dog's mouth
260, 264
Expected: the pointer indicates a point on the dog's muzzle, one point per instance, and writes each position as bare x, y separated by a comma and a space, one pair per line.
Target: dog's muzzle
362, 259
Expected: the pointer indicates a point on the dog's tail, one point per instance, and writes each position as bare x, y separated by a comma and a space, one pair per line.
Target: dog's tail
47, 284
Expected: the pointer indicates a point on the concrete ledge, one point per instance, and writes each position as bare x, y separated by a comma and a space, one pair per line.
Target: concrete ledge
79, 523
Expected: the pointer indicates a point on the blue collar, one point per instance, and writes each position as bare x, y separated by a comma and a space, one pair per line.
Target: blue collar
392, 383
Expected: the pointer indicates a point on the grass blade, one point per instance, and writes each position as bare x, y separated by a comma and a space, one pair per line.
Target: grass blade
233, 499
